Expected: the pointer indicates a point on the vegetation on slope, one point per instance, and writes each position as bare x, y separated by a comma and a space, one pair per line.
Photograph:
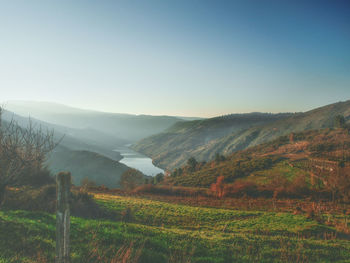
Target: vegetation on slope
172, 148
298, 164
320, 118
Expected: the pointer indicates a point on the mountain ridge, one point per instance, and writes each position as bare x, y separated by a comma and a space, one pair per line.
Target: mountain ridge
173, 147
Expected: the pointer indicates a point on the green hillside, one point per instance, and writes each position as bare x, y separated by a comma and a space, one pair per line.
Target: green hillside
201, 140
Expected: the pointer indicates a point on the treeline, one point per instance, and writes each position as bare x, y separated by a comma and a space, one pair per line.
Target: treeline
330, 188
253, 116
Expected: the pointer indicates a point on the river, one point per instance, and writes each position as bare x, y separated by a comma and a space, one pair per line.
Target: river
138, 161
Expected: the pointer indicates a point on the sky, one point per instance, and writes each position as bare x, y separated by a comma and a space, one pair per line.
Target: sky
180, 57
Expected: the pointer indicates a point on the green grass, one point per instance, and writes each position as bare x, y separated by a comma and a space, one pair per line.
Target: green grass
176, 216
164, 232
281, 168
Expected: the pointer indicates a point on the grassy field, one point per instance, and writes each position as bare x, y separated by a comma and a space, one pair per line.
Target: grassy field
153, 231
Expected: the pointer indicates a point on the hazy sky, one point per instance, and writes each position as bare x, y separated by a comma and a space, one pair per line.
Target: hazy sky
190, 57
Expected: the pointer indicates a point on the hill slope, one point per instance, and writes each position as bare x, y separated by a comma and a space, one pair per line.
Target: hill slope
200, 139
85, 164
319, 118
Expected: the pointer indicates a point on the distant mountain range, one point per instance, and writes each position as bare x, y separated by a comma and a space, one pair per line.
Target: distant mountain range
225, 135
125, 128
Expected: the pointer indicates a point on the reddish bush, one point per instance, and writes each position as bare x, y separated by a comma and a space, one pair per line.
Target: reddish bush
218, 188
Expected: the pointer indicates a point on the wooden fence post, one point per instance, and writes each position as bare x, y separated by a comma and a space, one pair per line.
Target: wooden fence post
63, 181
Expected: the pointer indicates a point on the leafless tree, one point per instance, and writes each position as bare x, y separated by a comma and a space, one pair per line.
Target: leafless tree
20, 149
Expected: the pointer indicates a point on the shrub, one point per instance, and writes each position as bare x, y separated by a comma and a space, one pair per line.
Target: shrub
339, 121
298, 187
82, 204
32, 199
87, 183
127, 215
241, 188
218, 187
192, 164
43, 199
219, 158
35, 177
131, 178
158, 178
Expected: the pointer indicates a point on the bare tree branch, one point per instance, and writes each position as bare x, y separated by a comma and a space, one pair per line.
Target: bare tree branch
22, 148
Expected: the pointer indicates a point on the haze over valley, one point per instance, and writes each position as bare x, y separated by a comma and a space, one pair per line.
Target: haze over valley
111, 143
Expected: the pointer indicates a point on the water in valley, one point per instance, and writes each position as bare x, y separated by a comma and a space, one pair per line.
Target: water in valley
138, 161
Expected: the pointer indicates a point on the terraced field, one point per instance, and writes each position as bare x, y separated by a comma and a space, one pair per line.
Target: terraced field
153, 231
